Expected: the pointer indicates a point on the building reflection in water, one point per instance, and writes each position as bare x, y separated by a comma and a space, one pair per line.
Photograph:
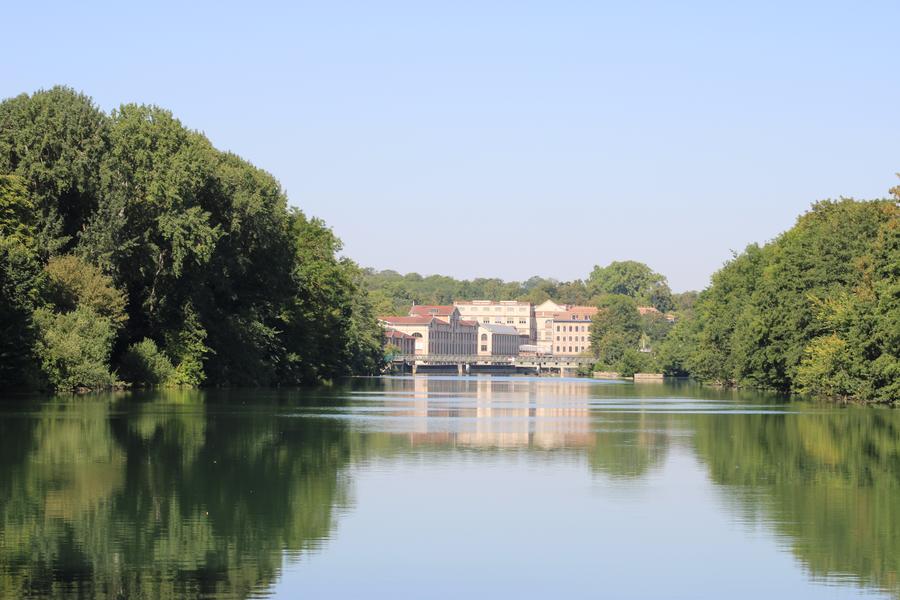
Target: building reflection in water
494, 412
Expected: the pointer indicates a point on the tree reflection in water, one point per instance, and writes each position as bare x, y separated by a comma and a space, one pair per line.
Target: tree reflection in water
191, 494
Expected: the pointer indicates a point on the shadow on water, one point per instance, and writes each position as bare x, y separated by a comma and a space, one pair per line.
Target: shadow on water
177, 494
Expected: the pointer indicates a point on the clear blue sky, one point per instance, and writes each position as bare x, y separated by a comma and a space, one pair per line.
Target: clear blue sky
509, 138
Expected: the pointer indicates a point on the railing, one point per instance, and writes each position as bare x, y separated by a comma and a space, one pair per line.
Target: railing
474, 359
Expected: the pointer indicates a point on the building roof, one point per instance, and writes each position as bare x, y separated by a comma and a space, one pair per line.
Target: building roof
468, 323
393, 333
584, 313
647, 310
436, 310
501, 329
491, 303
415, 320
552, 307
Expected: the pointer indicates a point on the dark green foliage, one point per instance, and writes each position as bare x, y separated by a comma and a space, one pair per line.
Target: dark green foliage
20, 282
815, 311
615, 331
339, 331
633, 279
144, 364
144, 223
54, 140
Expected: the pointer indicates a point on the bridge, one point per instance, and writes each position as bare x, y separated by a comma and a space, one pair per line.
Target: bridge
465, 363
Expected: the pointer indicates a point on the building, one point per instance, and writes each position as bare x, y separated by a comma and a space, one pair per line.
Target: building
572, 331
544, 313
405, 343
438, 330
504, 312
498, 340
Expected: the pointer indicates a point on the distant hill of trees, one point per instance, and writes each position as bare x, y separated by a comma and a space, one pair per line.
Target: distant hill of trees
393, 293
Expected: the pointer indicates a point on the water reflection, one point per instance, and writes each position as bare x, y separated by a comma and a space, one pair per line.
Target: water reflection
190, 494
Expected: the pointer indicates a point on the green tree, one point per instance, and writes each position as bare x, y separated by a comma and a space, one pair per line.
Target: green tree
814, 311
54, 140
615, 329
633, 279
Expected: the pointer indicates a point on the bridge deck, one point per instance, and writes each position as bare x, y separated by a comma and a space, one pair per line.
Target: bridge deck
474, 359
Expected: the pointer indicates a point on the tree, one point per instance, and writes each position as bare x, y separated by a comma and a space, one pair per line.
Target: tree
814, 311
615, 329
54, 140
143, 223
633, 279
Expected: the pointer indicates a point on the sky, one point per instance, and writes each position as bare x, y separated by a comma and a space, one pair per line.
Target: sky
509, 139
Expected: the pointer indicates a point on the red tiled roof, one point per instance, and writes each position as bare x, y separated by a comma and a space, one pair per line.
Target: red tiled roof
432, 309
592, 310
414, 320
583, 314
393, 333
647, 309
469, 323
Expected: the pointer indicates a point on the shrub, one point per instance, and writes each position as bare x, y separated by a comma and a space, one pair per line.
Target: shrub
144, 364
74, 348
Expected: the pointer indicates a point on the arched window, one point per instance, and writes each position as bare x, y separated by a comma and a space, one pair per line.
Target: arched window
483, 337
418, 335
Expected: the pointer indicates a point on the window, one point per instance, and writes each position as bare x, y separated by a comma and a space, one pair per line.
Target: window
484, 347
523, 322
557, 338
557, 348
483, 337
557, 327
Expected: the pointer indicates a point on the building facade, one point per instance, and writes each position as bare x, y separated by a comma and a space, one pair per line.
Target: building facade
504, 312
437, 330
498, 340
572, 331
544, 313
403, 342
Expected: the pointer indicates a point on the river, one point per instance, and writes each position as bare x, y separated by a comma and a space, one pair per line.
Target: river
448, 487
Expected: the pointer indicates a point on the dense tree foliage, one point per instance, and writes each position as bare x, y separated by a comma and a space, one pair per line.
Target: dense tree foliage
133, 224
815, 311
633, 279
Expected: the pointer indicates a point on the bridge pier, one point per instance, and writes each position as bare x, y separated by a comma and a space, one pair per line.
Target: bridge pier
413, 368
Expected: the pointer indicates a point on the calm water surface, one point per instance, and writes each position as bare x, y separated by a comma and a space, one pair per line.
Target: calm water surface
445, 487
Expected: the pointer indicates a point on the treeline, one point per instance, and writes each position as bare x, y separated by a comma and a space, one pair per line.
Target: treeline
393, 293
132, 250
816, 311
